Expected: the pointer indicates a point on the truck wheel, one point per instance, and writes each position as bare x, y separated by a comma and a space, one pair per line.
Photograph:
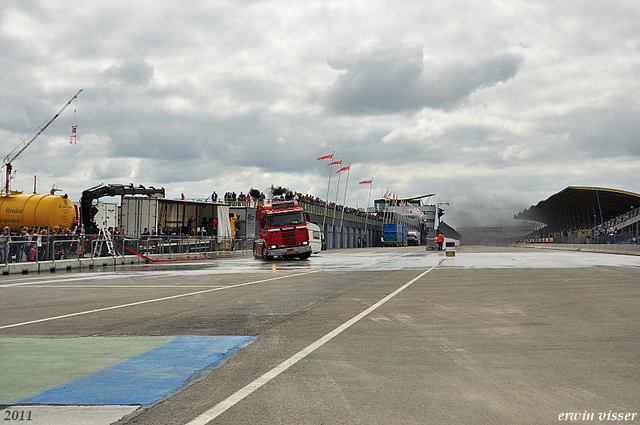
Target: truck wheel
304, 256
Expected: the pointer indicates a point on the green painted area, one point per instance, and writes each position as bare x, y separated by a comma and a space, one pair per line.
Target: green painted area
30, 365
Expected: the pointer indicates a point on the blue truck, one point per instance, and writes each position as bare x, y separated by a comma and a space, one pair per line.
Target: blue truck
395, 235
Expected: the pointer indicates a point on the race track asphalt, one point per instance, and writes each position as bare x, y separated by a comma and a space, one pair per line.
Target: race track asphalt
371, 336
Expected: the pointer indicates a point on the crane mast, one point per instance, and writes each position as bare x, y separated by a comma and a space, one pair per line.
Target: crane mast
8, 160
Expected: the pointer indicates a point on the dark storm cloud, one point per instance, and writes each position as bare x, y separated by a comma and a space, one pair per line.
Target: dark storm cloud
402, 81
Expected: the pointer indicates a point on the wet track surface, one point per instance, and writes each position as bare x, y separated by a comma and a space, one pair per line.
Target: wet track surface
492, 335
384, 259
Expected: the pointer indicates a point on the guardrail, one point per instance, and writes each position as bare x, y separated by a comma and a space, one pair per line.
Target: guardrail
320, 210
589, 239
53, 248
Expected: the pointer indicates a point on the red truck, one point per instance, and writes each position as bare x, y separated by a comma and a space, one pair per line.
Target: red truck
283, 231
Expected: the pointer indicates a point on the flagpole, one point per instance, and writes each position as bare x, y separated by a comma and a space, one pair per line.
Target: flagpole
326, 205
384, 209
366, 221
344, 203
390, 201
335, 206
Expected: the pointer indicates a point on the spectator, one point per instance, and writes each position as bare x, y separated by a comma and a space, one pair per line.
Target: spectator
33, 252
5, 238
66, 245
44, 252
190, 225
20, 246
52, 244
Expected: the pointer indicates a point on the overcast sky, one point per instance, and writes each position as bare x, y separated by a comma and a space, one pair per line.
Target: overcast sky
492, 105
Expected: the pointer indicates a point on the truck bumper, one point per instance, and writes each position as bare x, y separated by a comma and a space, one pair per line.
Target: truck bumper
286, 252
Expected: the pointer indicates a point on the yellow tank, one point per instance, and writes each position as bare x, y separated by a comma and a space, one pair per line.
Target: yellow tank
18, 210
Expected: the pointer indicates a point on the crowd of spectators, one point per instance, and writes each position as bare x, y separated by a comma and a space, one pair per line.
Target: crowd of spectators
609, 228
35, 244
314, 200
297, 196
232, 197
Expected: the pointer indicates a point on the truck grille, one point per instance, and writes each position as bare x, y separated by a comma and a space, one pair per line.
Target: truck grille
289, 237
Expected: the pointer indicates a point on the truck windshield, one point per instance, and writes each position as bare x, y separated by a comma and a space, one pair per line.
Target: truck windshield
286, 219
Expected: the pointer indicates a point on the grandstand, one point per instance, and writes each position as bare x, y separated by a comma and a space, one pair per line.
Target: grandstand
579, 214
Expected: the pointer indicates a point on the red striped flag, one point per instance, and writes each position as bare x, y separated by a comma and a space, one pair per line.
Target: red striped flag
325, 157
335, 163
72, 139
366, 181
344, 168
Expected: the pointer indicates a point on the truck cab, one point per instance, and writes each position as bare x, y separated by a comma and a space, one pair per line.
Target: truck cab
283, 231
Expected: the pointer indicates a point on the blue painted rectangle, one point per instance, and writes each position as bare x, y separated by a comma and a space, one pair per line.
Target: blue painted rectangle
147, 377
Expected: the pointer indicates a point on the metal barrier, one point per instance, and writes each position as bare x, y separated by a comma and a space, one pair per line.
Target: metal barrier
321, 210
28, 251
55, 248
67, 249
582, 240
18, 249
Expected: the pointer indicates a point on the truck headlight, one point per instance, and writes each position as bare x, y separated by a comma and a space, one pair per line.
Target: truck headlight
273, 246
305, 242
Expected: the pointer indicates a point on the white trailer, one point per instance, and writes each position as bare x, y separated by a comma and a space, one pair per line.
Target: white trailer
107, 215
139, 213
315, 237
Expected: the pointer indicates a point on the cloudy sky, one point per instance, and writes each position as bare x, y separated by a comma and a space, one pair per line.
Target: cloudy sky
493, 105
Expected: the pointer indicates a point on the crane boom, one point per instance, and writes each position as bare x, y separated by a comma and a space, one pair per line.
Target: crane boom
8, 160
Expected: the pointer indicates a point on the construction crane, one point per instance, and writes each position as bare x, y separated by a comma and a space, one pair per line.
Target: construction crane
54, 189
8, 160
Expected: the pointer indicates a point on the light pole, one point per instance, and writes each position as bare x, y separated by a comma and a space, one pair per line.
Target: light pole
439, 214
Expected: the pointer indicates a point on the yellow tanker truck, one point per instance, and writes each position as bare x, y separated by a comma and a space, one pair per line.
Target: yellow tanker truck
18, 210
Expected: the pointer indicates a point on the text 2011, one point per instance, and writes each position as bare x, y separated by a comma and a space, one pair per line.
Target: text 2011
17, 415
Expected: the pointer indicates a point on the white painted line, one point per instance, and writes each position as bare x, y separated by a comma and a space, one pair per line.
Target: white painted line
173, 286
39, 280
65, 279
151, 301
239, 395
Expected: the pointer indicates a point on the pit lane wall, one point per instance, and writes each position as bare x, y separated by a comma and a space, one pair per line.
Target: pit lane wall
111, 261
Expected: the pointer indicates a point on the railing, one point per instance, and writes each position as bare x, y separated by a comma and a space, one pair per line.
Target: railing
53, 248
614, 222
320, 210
337, 213
579, 240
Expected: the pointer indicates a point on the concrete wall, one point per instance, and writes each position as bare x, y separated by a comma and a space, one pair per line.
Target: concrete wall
91, 263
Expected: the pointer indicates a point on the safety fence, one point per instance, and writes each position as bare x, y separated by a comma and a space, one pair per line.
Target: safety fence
322, 210
617, 221
56, 248
589, 239
338, 213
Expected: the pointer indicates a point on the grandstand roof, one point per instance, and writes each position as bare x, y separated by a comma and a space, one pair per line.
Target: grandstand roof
581, 205
413, 198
